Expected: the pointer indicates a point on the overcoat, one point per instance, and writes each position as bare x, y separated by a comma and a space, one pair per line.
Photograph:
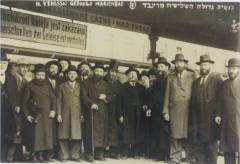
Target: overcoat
113, 125
176, 102
91, 90
132, 101
230, 113
159, 126
205, 102
69, 107
38, 101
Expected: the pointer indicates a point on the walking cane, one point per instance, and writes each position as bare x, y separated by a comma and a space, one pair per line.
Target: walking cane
92, 132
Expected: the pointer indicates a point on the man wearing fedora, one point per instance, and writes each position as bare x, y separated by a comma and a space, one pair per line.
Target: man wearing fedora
39, 106
131, 101
159, 126
176, 107
229, 115
113, 114
10, 111
53, 68
205, 102
15, 150
96, 97
69, 117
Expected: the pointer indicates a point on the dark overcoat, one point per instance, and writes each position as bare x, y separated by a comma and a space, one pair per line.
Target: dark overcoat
69, 107
91, 90
230, 113
38, 101
113, 131
205, 102
132, 101
159, 126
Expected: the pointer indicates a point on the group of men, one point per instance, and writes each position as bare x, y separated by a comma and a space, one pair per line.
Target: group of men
155, 114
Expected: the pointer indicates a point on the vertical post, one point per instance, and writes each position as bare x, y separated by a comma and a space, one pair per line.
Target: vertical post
153, 37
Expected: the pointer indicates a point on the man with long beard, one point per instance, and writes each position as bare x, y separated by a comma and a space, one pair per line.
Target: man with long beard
205, 102
39, 105
115, 86
159, 126
96, 98
229, 115
176, 107
84, 69
53, 68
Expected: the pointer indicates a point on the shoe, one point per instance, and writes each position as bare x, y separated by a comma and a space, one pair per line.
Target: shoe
89, 158
191, 160
116, 156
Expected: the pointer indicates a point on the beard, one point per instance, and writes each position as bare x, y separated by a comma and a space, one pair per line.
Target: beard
40, 81
233, 76
180, 69
204, 72
52, 76
98, 77
85, 73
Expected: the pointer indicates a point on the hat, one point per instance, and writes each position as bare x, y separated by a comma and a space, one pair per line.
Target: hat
205, 58
143, 73
39, 68
4, 55
72, 68
64, 59
99, 65
163, 60
22, 61
179, 57
113, 65
233, 62
84, 62
130, 69
54, 62
152, 71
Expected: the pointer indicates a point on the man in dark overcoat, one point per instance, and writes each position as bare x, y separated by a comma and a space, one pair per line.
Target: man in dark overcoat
132, 101
15, 151
69, 117
159, 126
39, 106
10, 109
113, 115
96, 98
53, 68
205, 101
229, 115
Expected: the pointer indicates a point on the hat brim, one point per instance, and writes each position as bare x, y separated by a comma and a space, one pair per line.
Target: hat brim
166, 63
79, 65
174, 61
40, 70
206, 61
235, 65
95, 67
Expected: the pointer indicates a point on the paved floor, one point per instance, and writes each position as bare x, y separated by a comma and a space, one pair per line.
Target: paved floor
131, 161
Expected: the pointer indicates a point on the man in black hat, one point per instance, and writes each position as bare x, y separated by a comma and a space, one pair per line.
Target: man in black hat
205, 102
39, 105
176, 108
113, 126
132, 101
96, 97
84, 69
159, 127
10, 111
69, 117
53, 68
65, 64
229, 115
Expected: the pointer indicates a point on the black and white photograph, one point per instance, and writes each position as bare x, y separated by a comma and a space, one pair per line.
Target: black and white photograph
120, 82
